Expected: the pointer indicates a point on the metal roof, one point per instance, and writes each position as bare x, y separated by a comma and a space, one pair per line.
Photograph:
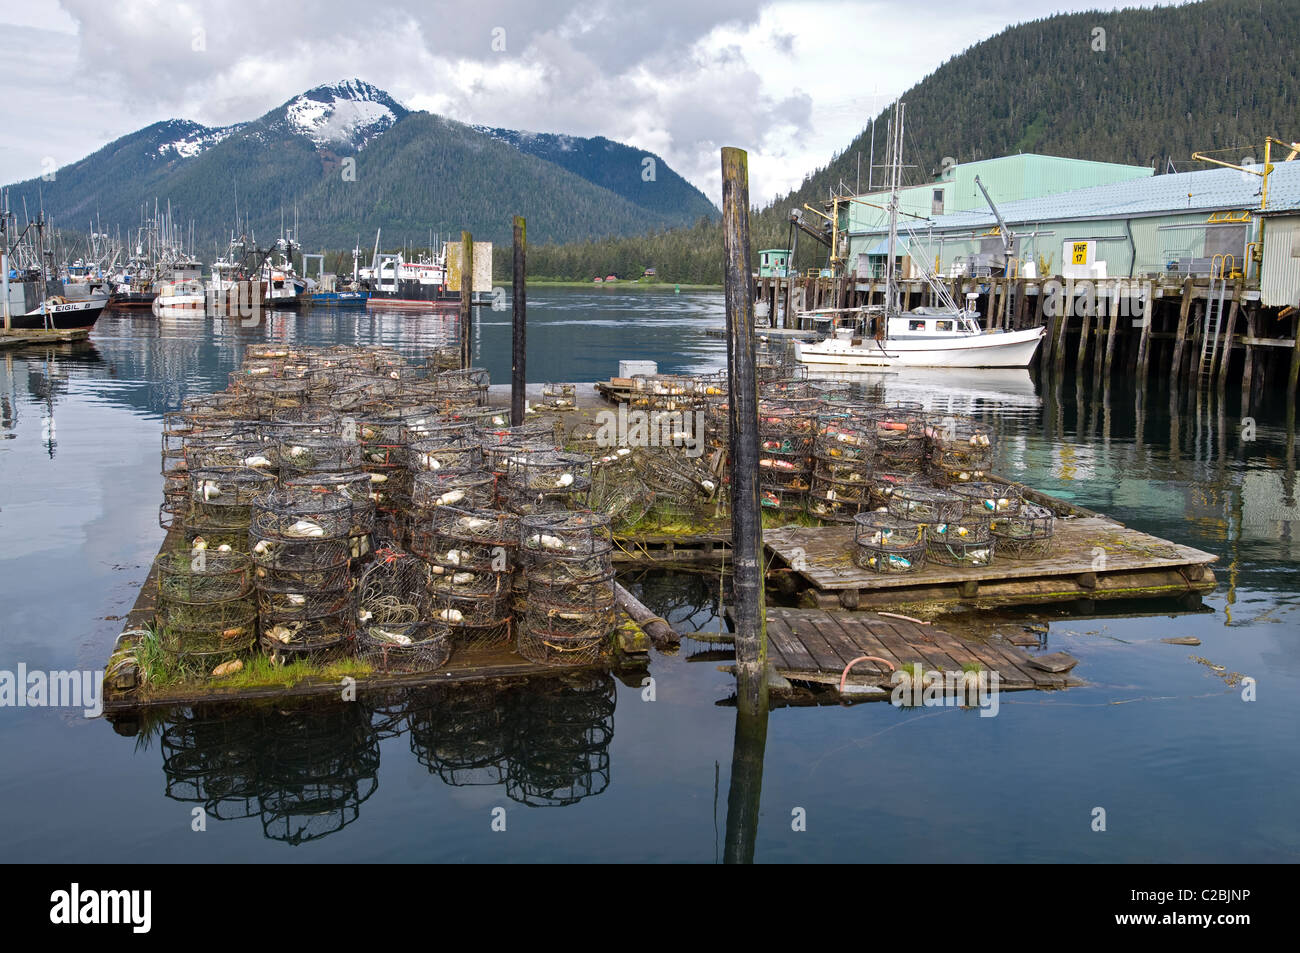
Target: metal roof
1212, 190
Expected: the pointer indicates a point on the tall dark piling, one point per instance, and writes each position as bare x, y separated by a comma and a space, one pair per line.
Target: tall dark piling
466, 295
746, 518
519, 322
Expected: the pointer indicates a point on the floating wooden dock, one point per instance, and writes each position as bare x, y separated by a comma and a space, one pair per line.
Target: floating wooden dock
815, 646
36, 336
123, 693
1092, 558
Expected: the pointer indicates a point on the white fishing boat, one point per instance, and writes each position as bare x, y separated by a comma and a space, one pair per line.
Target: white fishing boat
946, 336
917, 339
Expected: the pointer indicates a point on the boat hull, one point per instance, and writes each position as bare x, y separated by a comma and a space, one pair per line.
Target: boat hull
992, 349
63, 317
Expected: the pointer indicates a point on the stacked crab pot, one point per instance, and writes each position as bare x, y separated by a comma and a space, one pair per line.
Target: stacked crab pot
569, 611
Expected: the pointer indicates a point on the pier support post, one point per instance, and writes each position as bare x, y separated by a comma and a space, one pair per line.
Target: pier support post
466, 295
1248, 363
519, 326
1144, 335
1111, 331
791, 276
746, 519
1225, 355
1180, 335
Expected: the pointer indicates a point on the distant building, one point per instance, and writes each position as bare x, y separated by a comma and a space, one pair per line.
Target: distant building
1137, 225
773, 262
611, 277
649, 273
597, 281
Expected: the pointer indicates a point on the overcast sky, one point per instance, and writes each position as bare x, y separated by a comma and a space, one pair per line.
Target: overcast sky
789, 81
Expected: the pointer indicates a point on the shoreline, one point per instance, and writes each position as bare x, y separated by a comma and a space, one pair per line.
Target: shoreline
622, 285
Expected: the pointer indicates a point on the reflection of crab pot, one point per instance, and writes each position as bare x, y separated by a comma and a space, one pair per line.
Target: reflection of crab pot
210, 759
562, 748
1025, 535
963, 542
466, 737
888, 544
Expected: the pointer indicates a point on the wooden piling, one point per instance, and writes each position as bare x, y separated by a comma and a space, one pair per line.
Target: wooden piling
466, 296
1294, 373
746, 517
1144, 335
1180, 334
519, 325
1114, 326
1085, 331
1248, 363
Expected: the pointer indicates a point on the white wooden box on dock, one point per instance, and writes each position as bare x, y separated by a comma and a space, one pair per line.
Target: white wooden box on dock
635, 368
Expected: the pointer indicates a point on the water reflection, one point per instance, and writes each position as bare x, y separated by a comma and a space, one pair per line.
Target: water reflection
304, 768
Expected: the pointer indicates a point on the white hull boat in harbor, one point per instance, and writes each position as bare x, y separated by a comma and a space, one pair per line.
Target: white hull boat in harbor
919, 343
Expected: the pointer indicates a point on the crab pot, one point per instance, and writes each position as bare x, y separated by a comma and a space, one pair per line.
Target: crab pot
568, 535
195, 576
357, 488
485, 527
925, 504
319, 454
885, 483
618, 492
567, 632
442, 359
945, 544
306, 424
1025, 534
470, 621
783, 499
474, 489
324, 637
584, 437
708, 386
843, 438
268, 396
663, 392
717, 425
221, 497
212, 410
403, 648
900, 440
888, 544
394, 591
202, 635
266, 352
538, 432
831, 392
990, 500
482, 418
670, 471
172, 512
837, 501
300, 514
560, 479
560, 396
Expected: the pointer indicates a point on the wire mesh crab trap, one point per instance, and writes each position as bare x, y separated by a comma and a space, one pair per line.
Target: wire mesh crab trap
443, 359
886, 544
1025, 534
547, 480
394, 631
926, 504
468, 618
206, 614
357, 489
458, 389
561, 754
300, 514
268, 396
568, 625
961, 450
569, 545
663, 392
559, 397
963, 542
900, 440
221, 497
989, 500
318, 454
617, 490
475, 489
456, 452
673, 472
837, 500
885, 483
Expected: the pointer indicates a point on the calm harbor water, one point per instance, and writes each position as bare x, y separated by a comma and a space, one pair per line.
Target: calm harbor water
585, 768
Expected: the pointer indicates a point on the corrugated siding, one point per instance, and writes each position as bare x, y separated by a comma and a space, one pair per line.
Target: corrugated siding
1280, 276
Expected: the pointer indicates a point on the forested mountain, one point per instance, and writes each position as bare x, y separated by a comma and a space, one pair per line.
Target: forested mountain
345, 159
1156, 86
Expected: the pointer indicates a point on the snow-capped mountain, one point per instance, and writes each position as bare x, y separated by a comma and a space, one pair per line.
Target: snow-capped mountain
193, 138
347, 113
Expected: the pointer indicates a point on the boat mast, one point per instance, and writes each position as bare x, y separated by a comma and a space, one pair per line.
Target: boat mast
895, 175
